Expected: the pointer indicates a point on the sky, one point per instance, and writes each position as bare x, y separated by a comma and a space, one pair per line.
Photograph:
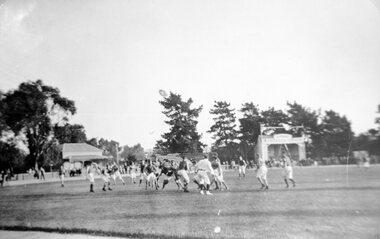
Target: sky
113, 57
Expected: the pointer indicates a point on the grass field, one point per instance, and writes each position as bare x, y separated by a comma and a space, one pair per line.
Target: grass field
324, 204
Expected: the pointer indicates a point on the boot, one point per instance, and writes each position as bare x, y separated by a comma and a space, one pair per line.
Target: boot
91, 188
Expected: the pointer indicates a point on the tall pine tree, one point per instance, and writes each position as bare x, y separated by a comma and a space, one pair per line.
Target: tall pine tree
183, 136
224, 131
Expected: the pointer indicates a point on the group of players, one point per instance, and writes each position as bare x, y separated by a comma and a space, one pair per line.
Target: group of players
152, 171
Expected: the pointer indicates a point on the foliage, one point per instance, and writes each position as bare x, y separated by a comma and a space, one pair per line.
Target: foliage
336, 133
11, 157
70, 133
33, 110
300, 115
223, 129
249, 129
273, 117
110, 147
134, 153
182, 136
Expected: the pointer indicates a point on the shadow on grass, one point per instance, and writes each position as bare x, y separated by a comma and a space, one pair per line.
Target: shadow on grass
331, 213
312, 189
93, 232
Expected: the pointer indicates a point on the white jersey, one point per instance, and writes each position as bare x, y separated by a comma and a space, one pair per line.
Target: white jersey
261, 163
287, 162
205, 165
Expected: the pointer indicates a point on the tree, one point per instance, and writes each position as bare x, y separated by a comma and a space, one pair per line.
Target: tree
33, 110
134, 153
224, 126
11, 157
249, 129
110, 147
336, 133
224, 131
300, 115
70, 133
274, 118
182, 136
93, 142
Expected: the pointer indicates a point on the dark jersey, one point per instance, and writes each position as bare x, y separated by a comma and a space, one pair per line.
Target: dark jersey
182, 165
142, 167
241, 162
149, 169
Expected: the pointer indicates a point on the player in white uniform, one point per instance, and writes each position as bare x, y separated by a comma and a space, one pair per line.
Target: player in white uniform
106, 177
261, 172
115, 173
183, 167
132, 172
151, 178
203, 167
288, 170
242, 166
62, 175
91, 170
366, 163
218, 171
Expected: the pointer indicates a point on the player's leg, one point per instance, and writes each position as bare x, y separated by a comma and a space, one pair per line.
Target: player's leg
207, 182
264, 178
243, 171
186, 180
290, 176
92, 180
109, 183
201, 182
118, 174
259, 177
225, 185
62, 180
104, 182
196, 181
285, 173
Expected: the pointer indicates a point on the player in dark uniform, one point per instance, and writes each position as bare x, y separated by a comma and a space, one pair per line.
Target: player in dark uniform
169, 171
143, 174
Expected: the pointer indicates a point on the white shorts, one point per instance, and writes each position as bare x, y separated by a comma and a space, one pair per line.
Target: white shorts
218, 176
143, 176
106, 178
241, 169
184, 175
262, 172
91, 177
151, 177
133, 174
288, 172
118, 175
203, 177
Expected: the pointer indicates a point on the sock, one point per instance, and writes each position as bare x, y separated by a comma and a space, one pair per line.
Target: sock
286, 182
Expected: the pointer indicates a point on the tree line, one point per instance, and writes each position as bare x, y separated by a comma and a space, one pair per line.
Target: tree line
328, 133
35, 115
34, 123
